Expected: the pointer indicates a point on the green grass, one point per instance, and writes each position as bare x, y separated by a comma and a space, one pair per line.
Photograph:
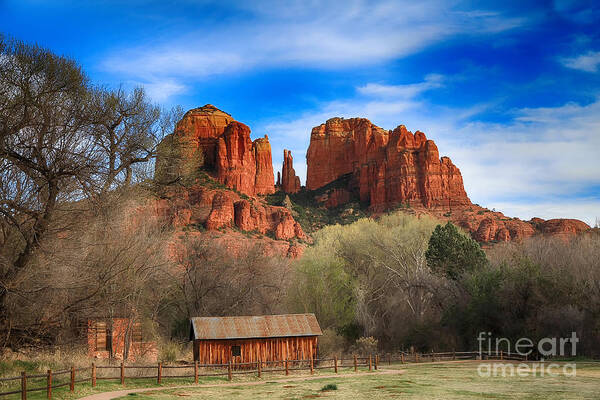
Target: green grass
14, 368
85, 388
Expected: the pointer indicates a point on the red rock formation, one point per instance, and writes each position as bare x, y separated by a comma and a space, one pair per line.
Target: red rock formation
193, 143
493, 226
486, 232
210, 139
334, 198
222, 212
217, 209
201, 127
290, 183
388, 168
236, 165
263, 183
564, 227
382, 168
237, 244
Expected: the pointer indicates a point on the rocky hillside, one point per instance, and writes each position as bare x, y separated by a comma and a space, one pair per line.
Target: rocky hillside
216, 180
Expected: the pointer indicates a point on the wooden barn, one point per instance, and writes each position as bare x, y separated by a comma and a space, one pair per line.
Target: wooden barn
218, 340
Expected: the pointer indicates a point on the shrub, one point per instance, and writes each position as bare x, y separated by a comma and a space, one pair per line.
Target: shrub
365, 346
330, 386
169, 352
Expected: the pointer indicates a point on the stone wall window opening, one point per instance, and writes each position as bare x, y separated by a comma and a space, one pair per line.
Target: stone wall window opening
136, 333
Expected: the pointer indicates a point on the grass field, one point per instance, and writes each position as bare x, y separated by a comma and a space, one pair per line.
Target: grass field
422, 381
434, 381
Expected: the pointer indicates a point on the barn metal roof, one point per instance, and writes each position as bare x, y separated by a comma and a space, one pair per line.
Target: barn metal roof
263, 326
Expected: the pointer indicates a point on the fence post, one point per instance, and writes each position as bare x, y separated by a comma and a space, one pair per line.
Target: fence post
159, 374
335, 363
93, 374
122, 373
259, 367
389, 359
312, 366
416, 357
72, 387
370, 363
287, 369
501, 355
376, 361
454, 355
49, 384
355, 365
23, 385
432, 356
402, 358
229, 370
196, 372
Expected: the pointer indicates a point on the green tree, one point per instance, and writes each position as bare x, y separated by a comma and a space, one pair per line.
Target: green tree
451, 253
322, 286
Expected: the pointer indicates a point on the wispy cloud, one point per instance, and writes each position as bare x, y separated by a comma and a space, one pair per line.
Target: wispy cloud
588, 62
161, 90
303, 34
432, 81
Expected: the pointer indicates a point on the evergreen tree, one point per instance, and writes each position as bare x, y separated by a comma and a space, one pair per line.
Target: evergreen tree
451, 253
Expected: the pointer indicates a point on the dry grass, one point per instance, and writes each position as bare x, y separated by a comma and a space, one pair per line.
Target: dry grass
425, 381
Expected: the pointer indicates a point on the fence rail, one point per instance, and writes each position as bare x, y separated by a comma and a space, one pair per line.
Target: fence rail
90, 374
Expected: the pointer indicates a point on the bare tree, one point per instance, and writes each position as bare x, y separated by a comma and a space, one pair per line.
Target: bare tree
110, 263
63, 145
211, 281
129, 128
46, 152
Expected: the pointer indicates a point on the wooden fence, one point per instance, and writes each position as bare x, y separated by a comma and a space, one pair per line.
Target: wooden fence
70, 377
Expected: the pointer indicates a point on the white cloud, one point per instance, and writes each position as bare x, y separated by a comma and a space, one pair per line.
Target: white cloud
543, 162
432, 81
161, 90
302, 34
587, 210
588, 62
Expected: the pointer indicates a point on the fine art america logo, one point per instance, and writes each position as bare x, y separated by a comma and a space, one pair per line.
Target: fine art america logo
524, 348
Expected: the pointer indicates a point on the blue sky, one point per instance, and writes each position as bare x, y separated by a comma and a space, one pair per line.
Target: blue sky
509, 90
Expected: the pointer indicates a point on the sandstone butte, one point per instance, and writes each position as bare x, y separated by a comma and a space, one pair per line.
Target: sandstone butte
395, 168
225, 173
210, 139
